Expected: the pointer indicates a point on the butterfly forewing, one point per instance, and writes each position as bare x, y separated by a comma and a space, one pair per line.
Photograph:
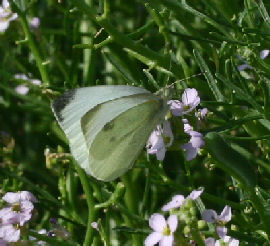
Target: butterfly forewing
70, 107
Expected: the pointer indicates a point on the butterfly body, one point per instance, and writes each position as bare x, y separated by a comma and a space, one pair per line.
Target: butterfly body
108, 126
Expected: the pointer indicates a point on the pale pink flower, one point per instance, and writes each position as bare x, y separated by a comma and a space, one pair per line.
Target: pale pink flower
211, 216
20, 206
190, 100
22, 89
6, 16
35, 23
179, 200
163, 230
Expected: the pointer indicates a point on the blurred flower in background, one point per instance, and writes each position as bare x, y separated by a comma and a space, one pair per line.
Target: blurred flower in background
6, 16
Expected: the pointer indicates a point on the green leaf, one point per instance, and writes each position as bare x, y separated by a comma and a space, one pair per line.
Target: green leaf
212, 83
230, 160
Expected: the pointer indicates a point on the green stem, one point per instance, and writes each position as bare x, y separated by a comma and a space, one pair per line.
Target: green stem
106, 8
32, 45
90, 203
89, 53
146, 191
131, 202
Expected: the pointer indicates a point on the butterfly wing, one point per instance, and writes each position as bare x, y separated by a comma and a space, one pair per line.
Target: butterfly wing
115, 144
70, 107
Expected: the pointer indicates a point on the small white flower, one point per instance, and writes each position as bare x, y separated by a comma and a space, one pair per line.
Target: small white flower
163, 230
6, 16
20, 206
264, 54
22, 89
193, 146
159, 140
190, 100
35, 23
94, 225
211, 216
178, 200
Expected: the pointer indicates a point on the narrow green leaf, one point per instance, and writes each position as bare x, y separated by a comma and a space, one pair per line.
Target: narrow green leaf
212, 83
230, 160
239, 92
263, 12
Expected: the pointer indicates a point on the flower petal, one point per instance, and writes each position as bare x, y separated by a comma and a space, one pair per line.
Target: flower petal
167, 131
196, 139
9, 233
153, 239
195, 194
176, 202
22, 89
157, 222
172, 222
226, 214
11, 197
191, 152
166, 241
244, 67
176, 107
160, 154
209, 241
221, 231
231, 241
26, 195
190, 98
264, 54
209, 215
3, 25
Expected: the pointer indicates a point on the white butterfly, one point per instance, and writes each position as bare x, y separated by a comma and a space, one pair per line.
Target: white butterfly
108, 126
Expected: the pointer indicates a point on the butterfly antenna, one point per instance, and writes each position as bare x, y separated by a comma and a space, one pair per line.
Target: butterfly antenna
192, 76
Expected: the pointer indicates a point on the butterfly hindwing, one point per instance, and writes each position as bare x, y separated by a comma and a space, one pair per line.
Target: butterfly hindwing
115, 148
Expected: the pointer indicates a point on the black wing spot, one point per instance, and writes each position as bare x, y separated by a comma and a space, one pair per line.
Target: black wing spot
108, 126
61, 102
